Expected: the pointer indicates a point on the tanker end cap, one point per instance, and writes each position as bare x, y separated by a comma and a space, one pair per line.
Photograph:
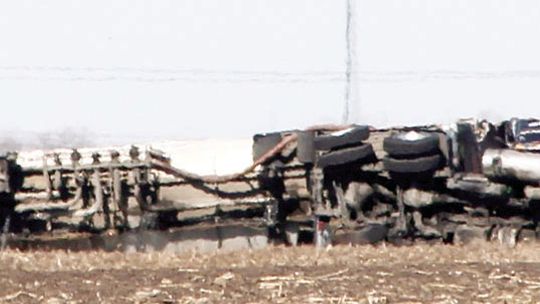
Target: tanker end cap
491, 162
523, 166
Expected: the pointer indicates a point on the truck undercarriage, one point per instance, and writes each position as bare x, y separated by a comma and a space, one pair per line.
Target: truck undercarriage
443, 183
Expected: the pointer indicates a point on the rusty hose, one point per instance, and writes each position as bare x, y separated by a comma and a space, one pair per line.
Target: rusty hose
215, 179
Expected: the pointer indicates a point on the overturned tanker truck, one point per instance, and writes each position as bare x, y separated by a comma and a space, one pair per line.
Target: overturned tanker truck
447, 183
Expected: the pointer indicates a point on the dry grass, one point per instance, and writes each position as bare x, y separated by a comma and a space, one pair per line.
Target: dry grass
488, 253
368, 274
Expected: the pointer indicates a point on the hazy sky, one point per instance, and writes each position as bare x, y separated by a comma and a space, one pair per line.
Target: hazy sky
230, 68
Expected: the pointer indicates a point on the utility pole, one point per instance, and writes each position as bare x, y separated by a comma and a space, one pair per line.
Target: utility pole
350, 71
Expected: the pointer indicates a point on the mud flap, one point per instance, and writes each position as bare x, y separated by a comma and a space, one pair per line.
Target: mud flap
305, 150
323, 232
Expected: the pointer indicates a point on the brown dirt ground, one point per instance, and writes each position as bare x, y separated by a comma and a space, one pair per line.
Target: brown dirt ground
367, 274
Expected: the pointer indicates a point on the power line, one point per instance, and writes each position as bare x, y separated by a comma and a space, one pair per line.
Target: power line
157, 75
141, 74
147, 70
261, 80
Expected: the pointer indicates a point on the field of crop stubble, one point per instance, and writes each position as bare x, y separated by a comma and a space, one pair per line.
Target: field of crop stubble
481, 272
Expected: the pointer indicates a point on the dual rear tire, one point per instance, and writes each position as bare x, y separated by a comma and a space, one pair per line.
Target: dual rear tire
344, 147
411, 153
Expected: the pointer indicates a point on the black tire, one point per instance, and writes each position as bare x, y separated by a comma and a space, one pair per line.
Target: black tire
305, 150
400, 147
263, 143
346, 156
417, 165
354, 136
